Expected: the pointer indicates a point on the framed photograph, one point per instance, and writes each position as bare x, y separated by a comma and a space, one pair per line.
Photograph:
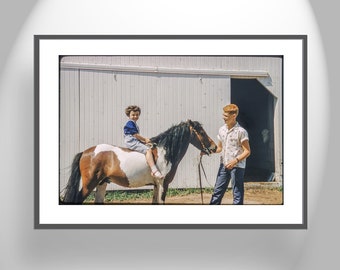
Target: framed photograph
87, 174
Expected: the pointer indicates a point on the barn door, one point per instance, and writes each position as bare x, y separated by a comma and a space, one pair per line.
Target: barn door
256, 106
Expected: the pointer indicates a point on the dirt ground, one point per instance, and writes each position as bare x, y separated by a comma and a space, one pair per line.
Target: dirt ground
255, 193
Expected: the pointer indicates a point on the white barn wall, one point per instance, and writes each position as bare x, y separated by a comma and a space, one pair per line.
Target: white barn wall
165, 99
69, 120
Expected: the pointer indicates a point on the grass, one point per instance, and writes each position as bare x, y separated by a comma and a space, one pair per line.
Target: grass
122, 195
131, 195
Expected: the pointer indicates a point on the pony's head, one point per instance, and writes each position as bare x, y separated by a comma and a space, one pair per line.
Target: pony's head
176, 140
200, 139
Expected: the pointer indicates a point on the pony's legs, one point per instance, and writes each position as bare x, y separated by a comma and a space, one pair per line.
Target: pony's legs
157, 193
165, 190
89, 182
100, 193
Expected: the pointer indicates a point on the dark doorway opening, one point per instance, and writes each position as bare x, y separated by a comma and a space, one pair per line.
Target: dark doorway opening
256, 105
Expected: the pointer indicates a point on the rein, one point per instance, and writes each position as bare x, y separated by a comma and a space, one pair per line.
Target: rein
200, 165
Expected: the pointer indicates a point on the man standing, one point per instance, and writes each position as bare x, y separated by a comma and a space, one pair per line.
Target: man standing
233, 143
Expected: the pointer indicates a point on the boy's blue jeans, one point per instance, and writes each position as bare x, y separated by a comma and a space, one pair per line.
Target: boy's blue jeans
236, 175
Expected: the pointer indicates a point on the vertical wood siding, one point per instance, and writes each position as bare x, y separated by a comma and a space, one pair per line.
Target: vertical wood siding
69, 120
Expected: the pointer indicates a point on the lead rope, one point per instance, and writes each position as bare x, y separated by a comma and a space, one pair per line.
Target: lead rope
200, 178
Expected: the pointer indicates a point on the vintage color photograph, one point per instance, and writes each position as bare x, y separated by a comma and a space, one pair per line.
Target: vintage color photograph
179, 101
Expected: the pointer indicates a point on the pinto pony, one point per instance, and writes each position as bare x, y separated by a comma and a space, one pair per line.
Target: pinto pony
105, 163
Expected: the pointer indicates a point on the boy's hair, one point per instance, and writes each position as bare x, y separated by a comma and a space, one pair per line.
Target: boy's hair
132, 108
231, 109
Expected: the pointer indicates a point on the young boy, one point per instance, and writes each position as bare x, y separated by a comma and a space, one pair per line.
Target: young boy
134, 141
233, 142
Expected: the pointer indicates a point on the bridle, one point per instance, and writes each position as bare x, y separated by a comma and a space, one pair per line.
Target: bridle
205, 149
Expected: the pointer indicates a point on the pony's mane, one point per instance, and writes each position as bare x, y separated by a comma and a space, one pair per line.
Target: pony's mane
175, 140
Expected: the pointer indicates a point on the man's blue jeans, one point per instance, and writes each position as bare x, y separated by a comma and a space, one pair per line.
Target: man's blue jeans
236, 175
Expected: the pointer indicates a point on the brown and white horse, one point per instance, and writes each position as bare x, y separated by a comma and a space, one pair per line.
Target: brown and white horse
105, 163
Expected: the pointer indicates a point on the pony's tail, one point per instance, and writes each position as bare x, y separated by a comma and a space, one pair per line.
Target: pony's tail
72, 194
